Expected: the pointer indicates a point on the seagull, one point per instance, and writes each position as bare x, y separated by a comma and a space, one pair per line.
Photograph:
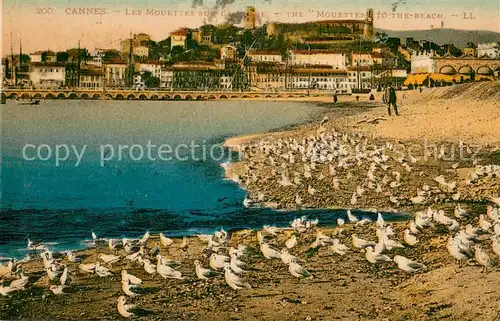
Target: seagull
374, 257
459, 212
483, 223
72, 257
413, 228
87, 268
218, 261
380, 220
340, 222
57, 289
360, 243
167, 272
352, 218
460, 253
233, 280
495, 245
291, 242
298, 271
165, 241
101, 270
408, 265
339, 248
237, 266
108, 258
130, 279
149, 267
269, 252
126, 288
202, 273
64, 276
240, 251
409, 238
123, 308
286, 257
481, 257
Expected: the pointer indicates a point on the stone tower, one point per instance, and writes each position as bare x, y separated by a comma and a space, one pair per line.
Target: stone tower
368, 30
250, 18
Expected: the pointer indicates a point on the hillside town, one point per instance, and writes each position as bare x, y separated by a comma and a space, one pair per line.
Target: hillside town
336, 56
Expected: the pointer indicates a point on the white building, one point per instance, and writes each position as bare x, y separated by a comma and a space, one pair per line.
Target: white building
179, 38
153, 67
363, 59
423, 62
490, 50
47, 74
96, 57
115, 74
166, 77
91, 78
264, 55
139, 83
335, 59
36, 57
320, 78
360, 77
228, 52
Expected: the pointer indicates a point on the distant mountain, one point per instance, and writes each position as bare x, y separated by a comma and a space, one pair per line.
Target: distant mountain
443, 36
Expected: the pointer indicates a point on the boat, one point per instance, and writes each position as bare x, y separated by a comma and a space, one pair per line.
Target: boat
28, 102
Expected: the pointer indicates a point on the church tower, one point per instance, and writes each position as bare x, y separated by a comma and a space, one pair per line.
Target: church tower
250, 18
368, 30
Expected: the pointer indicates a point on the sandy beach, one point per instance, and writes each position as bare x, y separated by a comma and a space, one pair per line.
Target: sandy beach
343, 287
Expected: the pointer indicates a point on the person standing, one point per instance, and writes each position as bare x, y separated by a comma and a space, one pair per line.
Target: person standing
390, 99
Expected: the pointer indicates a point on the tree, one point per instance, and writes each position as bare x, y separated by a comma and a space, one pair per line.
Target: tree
381, 37
62, 56
150, 81
470, 45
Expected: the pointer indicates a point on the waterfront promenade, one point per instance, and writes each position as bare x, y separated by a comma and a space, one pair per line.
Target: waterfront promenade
130, 94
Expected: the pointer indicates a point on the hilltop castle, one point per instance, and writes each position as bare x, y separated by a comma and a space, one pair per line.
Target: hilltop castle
325, 31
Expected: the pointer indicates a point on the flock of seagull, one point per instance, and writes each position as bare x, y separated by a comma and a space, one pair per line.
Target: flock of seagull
332, 168
464, 243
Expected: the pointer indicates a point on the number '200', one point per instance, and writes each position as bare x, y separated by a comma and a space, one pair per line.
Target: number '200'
44, 10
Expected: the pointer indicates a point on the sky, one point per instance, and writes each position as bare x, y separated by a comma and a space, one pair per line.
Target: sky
57, 25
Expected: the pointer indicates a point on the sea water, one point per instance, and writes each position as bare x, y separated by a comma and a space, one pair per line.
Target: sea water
56, 188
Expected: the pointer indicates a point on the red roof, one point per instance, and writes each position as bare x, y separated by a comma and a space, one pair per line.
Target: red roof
360, 68
317, 51
180, 32
264, 52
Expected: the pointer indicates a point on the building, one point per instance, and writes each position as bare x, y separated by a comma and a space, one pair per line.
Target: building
153, 67
179, 38
126, 45
335, 59
228, 52
141, 51
326, 31
92, 78
423, 62
268, 76
250, 18
198, 75
141, 39
36, 57
139, 82
96, 57
360, 78
47, 74
203, 37
488, 50
50, 56
362, 59
166, 77
259, 55
318, 78
469, 51
115, 73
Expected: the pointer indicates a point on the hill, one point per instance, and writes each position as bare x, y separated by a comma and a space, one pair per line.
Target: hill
458, 37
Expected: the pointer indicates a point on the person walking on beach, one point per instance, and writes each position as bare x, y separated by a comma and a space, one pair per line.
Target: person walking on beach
390, 98
335, 98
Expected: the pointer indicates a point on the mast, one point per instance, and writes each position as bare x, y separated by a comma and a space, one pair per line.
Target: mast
12, 66
79, 63
130, 57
